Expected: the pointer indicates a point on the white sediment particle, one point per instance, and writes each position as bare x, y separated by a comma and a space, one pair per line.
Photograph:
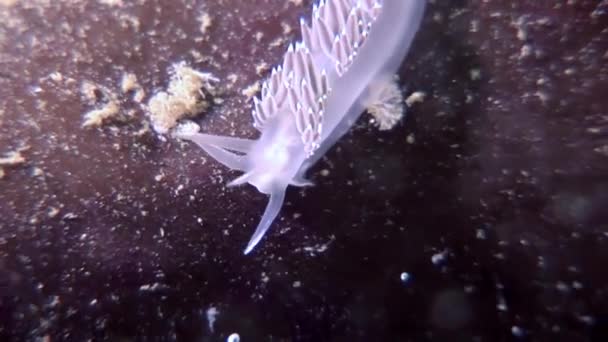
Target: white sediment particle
56, 76
129, 83
415, 97
405, 277
212, 314
562, 286
232, 78
12, 158
277, 42
296, 2
1, 173
186, 127
318, 248
520, 26
517, 331
287, 29
387, 105
52, 212
234, 337
97, 117
251, 90
186, 96
139, 95
89, 91
469, 289
502, 304
411, 138
542, 96
8, 2
70, 216
258, 36
37, 172
151, 287
111, 2
206, 22
475, 74
297, 284
439, 258
602, 150
525, 51
261, 68
92, 94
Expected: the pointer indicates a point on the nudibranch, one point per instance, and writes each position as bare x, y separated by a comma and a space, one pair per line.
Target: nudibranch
324, 84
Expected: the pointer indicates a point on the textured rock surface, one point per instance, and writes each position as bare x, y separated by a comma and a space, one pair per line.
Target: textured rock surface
490, 195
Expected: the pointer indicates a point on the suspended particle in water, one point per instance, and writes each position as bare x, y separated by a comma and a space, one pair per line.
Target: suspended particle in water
234, 338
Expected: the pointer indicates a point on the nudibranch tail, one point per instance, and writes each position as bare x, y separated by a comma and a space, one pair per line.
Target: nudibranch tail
270, 213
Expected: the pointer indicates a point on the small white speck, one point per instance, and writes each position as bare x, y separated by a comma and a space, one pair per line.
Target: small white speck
234, 338
415, 97
150, 287
70, 216
439, 258
410, 138
562, 287
265, 277
93, 302
502, 305
481, 234
525, 51
405, 277
517, 331
37, 172
325, 172
212, 313
586, 319
475, 74
297, 284
52, 212
186, 127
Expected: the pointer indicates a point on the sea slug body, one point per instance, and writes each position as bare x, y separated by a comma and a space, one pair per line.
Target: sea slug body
347, 55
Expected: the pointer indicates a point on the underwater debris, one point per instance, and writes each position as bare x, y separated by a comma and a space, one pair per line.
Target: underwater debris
387, 108
188, 94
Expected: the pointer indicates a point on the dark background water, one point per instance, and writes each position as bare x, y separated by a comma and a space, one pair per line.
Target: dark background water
490, 197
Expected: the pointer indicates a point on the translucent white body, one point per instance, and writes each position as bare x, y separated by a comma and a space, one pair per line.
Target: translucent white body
321, 89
